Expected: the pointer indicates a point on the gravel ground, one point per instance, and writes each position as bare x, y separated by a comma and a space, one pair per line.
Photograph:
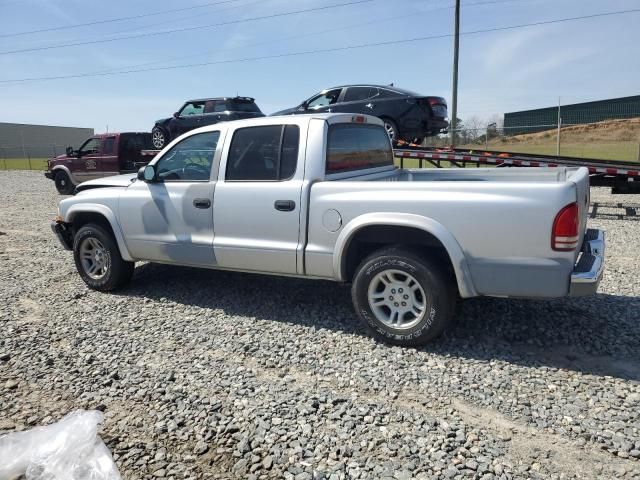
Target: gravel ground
205, 374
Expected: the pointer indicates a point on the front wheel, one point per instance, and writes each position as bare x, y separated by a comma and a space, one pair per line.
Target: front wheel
63, 183
98, 259
403, 298
158, 138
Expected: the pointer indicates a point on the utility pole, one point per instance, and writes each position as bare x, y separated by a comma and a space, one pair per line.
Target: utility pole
454, 94
559, 129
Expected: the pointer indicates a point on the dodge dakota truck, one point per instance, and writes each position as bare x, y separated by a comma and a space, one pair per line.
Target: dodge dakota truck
99, 156
319, 196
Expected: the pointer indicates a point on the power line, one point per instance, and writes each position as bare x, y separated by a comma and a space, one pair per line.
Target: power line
112, 20
383, 20
323, 50
185, 29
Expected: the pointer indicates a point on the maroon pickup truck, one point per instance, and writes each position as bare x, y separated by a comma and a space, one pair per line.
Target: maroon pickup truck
100, 156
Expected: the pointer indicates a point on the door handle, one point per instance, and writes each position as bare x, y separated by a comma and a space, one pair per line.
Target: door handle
369, 105
202, 203
285, 205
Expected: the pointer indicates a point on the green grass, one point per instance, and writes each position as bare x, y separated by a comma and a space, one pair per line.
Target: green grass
23, 164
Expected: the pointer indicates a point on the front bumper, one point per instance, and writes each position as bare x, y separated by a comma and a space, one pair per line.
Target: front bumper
63, 233
587, 273
49, 174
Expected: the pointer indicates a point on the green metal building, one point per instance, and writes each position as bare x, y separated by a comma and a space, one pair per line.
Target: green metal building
528, 121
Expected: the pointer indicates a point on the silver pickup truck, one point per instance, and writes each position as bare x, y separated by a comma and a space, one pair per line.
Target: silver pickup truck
318, 196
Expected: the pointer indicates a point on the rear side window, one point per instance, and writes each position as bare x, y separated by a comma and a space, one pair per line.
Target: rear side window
263, 153
356, 146
214, 106
240, 106
107, 146
355, 94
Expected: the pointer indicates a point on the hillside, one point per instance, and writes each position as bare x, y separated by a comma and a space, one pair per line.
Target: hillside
609, 140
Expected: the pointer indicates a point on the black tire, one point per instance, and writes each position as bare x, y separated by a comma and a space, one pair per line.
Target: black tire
117, 272
63, 183
438, 294
391, 126
159, 138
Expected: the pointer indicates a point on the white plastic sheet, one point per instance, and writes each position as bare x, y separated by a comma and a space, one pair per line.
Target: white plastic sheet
67, 450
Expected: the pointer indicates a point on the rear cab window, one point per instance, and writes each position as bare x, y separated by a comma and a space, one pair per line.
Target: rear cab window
352, 146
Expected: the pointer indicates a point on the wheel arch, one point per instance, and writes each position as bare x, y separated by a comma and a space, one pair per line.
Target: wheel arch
81, 215
376, 230
65, 169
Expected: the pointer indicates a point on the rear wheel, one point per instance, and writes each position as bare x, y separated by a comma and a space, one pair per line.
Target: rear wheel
402, 297
98, 259
158, 138
63, 183
391, 128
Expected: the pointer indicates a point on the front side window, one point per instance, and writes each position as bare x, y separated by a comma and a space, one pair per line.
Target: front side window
263, 153
356, 146
192, 108
189, 160
327, 98
91, 146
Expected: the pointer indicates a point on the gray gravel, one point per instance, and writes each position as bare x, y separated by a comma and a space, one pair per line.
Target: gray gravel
206, 374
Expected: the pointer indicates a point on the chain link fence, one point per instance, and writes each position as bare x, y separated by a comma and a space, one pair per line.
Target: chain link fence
28, 157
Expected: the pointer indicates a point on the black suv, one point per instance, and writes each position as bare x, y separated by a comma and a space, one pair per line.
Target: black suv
198, 113
406, 115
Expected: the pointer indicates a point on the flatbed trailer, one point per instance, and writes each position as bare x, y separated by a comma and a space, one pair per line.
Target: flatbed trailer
623, 177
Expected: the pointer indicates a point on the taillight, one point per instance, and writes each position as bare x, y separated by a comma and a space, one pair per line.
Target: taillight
564, 234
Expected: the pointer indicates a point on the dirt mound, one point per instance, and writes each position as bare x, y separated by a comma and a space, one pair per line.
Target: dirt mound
627, 130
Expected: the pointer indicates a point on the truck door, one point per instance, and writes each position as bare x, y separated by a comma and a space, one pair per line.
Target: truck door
109, 159
86, 165
170, 220
256, 208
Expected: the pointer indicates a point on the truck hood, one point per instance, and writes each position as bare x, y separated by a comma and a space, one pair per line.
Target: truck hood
114, 181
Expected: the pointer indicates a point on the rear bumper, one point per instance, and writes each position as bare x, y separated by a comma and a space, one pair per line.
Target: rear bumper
587, 273
63, 233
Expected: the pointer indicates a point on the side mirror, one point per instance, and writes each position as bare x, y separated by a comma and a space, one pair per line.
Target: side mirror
303, 106
69, 151
176, 114
147, 173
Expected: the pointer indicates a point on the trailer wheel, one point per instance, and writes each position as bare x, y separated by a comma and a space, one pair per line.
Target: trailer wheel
63, 183
158, 138
402, 297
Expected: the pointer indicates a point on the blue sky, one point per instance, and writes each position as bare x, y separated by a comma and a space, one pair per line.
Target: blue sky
499, 71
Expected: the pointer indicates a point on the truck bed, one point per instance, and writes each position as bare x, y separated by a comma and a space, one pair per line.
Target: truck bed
483, 209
